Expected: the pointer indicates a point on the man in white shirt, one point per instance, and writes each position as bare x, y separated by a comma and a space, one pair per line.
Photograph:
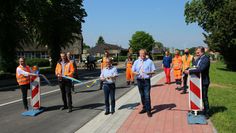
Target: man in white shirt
23, 73
108, 76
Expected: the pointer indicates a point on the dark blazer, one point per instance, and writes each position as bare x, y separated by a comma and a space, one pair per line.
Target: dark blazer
203, 68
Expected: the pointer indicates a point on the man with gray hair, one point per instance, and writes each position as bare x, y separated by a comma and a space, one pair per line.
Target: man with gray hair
144, 68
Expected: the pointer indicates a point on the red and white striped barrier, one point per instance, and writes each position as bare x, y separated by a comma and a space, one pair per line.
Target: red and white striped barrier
195, 92
35, 92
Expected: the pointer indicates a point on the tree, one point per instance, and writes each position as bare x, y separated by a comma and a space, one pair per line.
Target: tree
192, 50
158, 45
100, 40
141, 40
85, 46
59, 23
55, 23
12, 32
218, 19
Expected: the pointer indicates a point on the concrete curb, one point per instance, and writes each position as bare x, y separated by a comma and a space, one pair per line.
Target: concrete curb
125, 105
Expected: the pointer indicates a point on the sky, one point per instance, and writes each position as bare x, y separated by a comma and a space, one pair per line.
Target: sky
118, 20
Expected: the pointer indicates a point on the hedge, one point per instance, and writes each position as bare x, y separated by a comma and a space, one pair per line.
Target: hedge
157, 57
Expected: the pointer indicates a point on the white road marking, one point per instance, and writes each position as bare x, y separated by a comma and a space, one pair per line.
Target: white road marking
45, 93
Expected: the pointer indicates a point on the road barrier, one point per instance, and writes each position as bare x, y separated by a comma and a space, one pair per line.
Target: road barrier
195, 100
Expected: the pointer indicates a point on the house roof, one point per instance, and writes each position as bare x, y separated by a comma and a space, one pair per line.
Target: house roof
101, 48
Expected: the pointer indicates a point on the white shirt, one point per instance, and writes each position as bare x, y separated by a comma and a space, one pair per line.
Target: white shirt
109, 72
20, 71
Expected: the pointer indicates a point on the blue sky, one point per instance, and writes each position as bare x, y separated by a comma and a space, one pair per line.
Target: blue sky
118, 20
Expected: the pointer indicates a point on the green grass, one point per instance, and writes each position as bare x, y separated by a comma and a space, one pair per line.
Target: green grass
222, 98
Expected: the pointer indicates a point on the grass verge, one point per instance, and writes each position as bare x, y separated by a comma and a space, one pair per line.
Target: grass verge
222, 98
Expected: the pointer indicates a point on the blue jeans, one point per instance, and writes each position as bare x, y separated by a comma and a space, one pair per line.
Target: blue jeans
144, 86
109, 90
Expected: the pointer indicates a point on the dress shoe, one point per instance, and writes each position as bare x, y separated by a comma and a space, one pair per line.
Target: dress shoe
142, 111
112, 112
207, 116
178, 88
107, 112
26, 108
184, 92
149, 114
69, 110
63, 108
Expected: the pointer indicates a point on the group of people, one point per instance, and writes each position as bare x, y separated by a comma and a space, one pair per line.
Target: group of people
181, 64
65, 67
143, 68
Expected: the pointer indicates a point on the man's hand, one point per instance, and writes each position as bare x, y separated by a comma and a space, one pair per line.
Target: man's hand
102, 78
59, 76
135, 73
33, 74
186, 71
150, 73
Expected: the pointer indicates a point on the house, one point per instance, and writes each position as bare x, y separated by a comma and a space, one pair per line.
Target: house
35, 51
99, 50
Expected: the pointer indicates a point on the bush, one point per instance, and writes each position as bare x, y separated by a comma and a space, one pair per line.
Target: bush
122, 58
37, 61
98, 58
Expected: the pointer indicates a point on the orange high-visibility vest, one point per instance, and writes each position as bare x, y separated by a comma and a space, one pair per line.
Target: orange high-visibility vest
103, 63
68, 69
187, 61
177, 63
21, 79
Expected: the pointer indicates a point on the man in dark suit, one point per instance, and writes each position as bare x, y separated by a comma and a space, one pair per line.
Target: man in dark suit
203, 66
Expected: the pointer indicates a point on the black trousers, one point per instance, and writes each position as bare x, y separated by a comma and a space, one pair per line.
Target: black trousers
185, 79
24, 90
65, 87
101, 84
178, 81
205, 98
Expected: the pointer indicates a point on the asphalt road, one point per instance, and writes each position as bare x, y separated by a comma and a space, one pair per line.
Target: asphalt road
88, 102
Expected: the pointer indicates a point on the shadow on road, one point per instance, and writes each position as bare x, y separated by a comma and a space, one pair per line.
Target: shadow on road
12, 89
129, 106
89, 106
217, 109
161, 107
156, 85
52, 108
121, 87
86, 91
